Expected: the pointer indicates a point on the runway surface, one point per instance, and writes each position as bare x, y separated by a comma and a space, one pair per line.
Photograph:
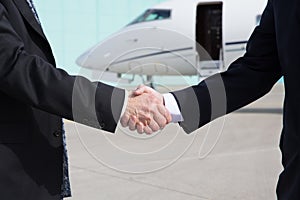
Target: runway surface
235, 157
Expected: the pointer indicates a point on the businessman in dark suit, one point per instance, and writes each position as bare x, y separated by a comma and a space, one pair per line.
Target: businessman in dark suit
272, 52
35, 95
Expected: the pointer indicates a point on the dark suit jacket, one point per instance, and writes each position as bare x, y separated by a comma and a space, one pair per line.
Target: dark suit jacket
34, 96
272, 52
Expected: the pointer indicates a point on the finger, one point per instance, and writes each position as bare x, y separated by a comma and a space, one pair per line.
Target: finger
124, 120
160, 120
148, 130
144, 118
168, 116
132, 123
154, 126
140, 86
164, 112
142, 89
140, 128
139, 90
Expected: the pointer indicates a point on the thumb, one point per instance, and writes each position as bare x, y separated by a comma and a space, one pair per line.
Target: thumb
139, 90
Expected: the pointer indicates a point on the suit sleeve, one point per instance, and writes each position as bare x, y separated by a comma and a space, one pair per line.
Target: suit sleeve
247, 79
35, 82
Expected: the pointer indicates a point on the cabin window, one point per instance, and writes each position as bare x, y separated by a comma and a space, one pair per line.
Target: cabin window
152, 15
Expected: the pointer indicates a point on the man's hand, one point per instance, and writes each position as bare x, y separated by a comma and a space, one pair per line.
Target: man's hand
145, 111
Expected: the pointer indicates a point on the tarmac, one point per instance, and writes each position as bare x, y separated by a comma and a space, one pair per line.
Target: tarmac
234, 157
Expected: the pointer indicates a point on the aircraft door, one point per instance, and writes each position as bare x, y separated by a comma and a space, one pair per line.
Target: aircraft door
209, 37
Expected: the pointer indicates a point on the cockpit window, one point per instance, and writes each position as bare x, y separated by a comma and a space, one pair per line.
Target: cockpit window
152, 15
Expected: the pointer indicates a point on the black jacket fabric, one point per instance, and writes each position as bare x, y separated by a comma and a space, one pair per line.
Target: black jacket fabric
272, 52
34, 97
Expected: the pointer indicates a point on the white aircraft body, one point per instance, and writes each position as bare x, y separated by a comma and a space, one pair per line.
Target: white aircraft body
178, 37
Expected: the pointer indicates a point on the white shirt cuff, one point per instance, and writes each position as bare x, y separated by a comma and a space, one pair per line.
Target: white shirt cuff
172, 107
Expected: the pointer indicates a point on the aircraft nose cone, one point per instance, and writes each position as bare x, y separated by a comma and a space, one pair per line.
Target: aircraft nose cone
81, 60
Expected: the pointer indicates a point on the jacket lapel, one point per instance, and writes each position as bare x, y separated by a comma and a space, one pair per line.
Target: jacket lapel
29, 17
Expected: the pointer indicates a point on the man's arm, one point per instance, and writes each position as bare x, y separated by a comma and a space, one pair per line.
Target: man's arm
35, 82
247, 79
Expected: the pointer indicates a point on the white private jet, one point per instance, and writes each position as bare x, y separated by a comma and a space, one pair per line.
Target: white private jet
178, 37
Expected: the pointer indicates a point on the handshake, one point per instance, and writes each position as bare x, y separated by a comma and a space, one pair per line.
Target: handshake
145, 111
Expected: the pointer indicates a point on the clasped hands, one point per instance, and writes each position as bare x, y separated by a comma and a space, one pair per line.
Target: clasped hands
145, 111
